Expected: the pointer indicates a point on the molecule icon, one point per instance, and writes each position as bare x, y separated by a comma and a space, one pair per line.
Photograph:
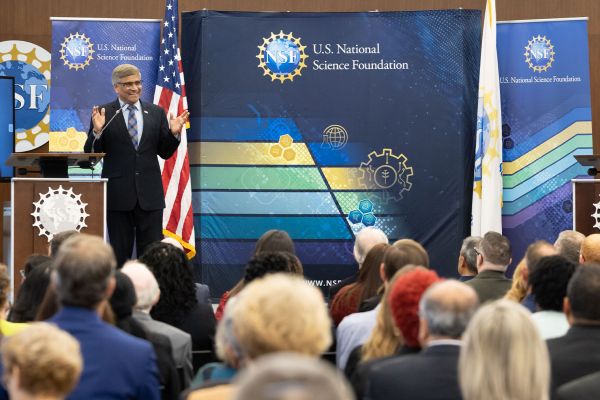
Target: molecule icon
364, 214
283, 148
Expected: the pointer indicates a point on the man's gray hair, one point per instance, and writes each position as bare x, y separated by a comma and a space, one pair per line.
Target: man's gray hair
467, 250
365, 240
122, 71
448, 315
568, 245
144, 282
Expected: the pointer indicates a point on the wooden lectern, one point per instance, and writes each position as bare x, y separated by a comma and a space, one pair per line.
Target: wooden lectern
51, 204
586, 197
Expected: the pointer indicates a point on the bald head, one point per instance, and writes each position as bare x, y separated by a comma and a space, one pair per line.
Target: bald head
365, 240
590, 249
536, 251
145, 284
445, 310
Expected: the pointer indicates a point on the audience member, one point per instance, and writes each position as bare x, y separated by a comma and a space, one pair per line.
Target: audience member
271, 241
41, 362
404, 304
116, 365
467, 259
355, 329
503, 356
57, 240
584, 388
548, 282
278, 313
493, 257
578, 352
6, 328
177, 305
534, 253
364, 240
590, 249
287, 376
148, 293
444, 312
32, 262
369, 281
518, 289
568, 245
30, 294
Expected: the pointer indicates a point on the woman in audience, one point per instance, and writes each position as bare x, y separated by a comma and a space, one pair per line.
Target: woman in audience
6, 328
178, 305
518, 290
503, 356
278, 313
32, 262
31, 293
347, 300
270, 241
41, 362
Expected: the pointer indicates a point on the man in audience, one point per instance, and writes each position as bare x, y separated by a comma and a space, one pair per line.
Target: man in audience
467, 259
57, 240
534, 253
590, 249
548, 282
364, 241
148, 293
568, 245
493, 257
444, 313
578, 352
116, 365
355, 329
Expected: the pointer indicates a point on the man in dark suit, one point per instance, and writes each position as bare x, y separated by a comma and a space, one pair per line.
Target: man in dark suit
132, 141
493, 257
578, 352
116, 365
444, 313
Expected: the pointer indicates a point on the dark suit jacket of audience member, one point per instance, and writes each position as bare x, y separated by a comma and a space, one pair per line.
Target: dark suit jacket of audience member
370, 303
200, 324
429, 375
362, 373
116, 365
585, 388
202, 293
574, 355
344, 282
490, 285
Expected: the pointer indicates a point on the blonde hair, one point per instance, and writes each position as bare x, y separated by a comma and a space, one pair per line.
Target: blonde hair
385, 338
48, 360
281, 312
590, 248
122, 71
518, 289
503, 355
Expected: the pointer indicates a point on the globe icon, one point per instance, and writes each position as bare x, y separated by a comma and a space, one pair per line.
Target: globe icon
336, 136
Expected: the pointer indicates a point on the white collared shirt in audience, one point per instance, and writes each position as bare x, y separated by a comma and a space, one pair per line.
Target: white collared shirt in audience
551, 324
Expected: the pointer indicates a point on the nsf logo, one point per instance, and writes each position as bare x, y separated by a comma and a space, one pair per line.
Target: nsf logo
76, 51
281, 56
539, 53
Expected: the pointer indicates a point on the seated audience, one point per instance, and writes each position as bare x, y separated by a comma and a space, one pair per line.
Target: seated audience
30, 294
467, 259
578, 352
444, 312
348, 298
503, 356
568, 245
41, 362
277, 313
7, 328
534, 253
270, 241
287, 376
148, 293
32, 262
178, 305
364, 240
548, 282
519, 287
57, 240
116, 365
590, 249
493, 257
584, 388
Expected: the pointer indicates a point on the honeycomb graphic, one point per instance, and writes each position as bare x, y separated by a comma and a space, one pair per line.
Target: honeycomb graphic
283, 148
363, 214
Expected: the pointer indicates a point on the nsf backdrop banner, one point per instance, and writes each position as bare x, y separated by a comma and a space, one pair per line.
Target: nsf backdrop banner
84, 53
323, 124
547, 119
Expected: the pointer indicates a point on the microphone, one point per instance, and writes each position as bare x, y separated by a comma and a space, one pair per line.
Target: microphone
97, 136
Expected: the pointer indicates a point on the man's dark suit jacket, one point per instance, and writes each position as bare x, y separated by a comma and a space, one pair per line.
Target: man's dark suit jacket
574, 355
133, 176
116, 365
586, 388
490, 285
429, 375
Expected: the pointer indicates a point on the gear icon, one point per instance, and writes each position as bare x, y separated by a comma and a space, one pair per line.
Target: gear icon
59, 210
388, 173
596, 215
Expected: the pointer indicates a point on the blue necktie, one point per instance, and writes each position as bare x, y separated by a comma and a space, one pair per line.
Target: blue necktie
132, 125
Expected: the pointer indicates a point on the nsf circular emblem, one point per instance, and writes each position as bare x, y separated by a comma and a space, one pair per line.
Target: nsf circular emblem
59, 210
282, 56
76, 51
539, 53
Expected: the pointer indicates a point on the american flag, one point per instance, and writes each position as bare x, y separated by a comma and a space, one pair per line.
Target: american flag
178, 216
